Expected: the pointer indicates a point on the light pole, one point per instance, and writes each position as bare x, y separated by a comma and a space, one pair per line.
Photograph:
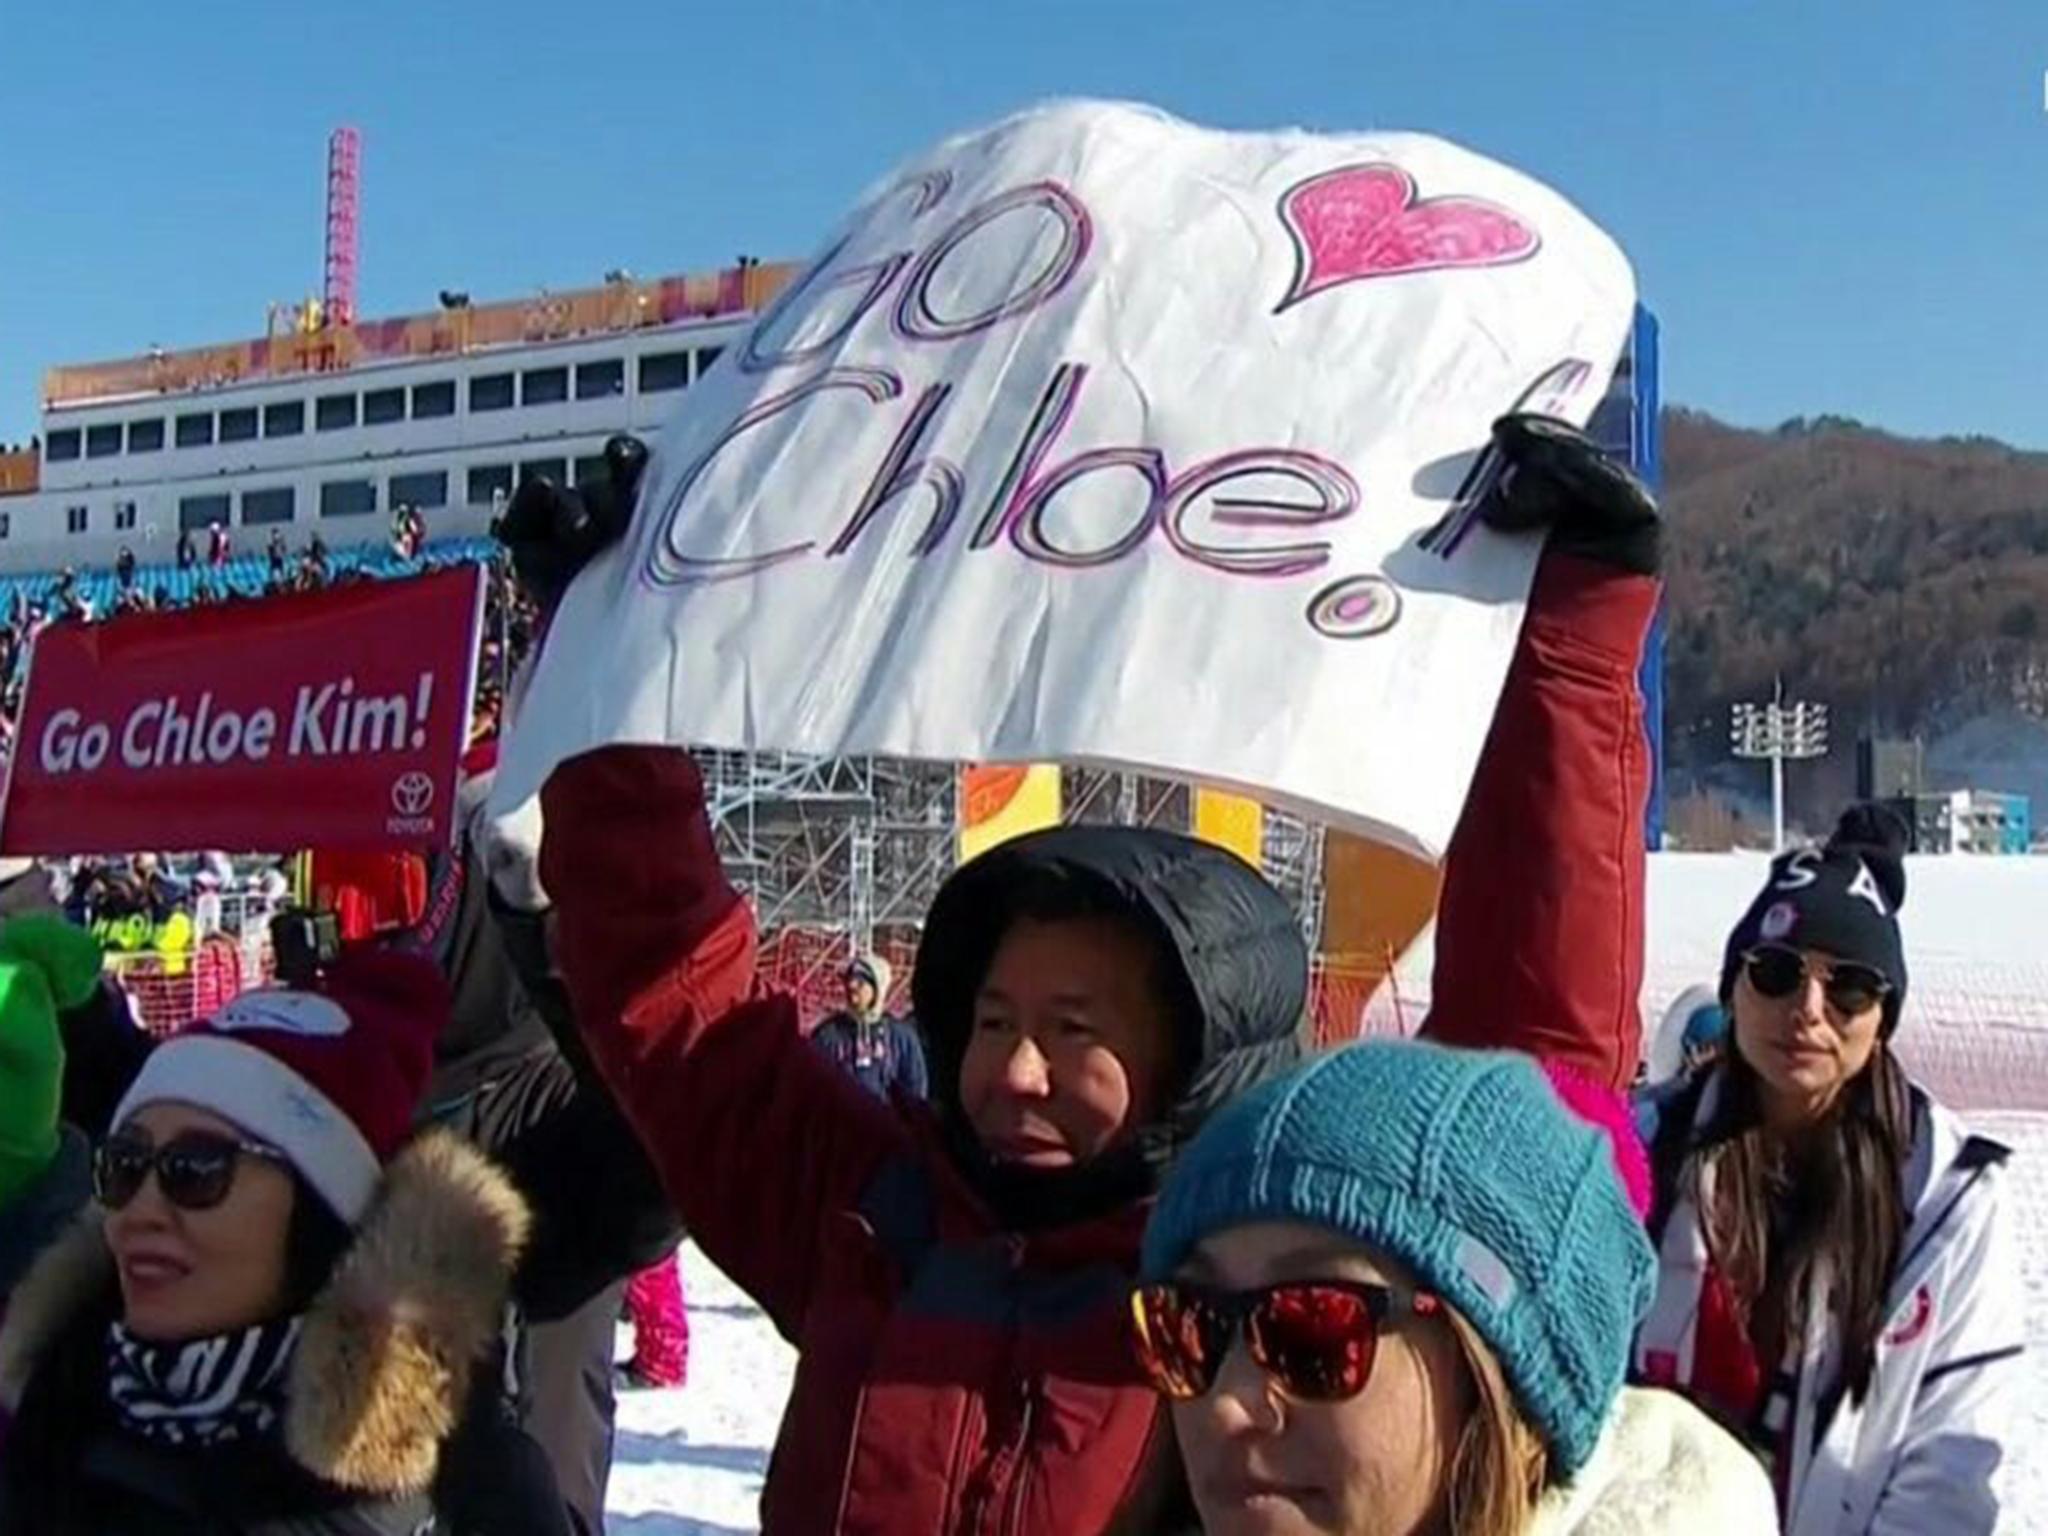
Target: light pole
1780, 731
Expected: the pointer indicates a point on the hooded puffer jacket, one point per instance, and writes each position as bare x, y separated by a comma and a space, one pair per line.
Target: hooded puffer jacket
392, 1421
885, 1054
963, 1360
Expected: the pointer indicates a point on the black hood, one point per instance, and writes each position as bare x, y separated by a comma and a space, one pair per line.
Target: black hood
1236, 945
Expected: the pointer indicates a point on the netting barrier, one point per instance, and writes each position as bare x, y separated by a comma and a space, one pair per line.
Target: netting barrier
169, 991
1975, 1037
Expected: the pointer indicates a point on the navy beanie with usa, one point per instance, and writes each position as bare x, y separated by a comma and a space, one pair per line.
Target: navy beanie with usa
1842, 899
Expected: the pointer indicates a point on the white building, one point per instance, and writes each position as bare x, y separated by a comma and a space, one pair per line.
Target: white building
330, 430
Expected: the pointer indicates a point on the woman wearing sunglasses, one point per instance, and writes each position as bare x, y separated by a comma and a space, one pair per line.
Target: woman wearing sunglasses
1837, 1279
280, 1316
1392, 1294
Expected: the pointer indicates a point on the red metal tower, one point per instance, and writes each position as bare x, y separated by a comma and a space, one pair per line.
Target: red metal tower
344, 200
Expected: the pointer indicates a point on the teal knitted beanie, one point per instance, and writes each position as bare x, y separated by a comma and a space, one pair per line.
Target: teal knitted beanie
1466, 1167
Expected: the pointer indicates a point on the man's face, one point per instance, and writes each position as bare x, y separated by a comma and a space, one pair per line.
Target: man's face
860, 995
1071, 1046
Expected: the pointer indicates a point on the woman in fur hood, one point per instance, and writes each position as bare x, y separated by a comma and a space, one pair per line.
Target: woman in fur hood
278, 1317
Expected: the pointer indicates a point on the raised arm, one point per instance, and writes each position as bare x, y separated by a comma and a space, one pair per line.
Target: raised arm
758, 1139
1539, 941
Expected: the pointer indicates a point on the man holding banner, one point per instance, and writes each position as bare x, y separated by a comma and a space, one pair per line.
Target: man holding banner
1097, 437
955, 1281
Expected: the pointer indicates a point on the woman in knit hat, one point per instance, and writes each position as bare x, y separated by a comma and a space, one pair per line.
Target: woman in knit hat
1837, 1279
280, 1315
1392, 1293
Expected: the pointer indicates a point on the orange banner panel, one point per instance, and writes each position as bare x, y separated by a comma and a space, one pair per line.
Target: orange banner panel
1375, 902
1002, 801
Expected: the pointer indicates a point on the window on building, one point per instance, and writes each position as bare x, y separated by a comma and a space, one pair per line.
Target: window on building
63, 446
238, 426
124, 516
556, 470
491, 392
272, 504
591, 470
543, 386
661, 371
383, 405
195, 431
146, 436
487, 482
334, 413
432, 400
348, 498
75, 519
287, 418
600, 380
426, 488
6, 525
103, 442
196, 514
706, 356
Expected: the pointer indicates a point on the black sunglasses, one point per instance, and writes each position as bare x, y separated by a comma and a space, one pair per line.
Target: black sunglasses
1776, 972
1316, 1338
195, 1169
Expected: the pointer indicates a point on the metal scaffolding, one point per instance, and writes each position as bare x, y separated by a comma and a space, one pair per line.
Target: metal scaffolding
849, 845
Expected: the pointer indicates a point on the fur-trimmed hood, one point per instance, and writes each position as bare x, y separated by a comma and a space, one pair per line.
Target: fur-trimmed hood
1662, 1468
384, 1364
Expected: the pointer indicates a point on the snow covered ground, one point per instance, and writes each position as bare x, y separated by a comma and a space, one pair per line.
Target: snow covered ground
690, 1462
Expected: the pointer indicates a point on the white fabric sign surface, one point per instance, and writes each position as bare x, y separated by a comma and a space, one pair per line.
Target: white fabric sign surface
1097, 436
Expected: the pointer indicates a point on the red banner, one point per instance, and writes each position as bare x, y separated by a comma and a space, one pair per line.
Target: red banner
332, 718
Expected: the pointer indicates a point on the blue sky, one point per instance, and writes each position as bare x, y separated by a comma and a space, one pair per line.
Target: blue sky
1834, 206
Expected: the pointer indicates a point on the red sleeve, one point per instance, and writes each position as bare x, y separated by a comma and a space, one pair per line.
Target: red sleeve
1539, 943
757, 1138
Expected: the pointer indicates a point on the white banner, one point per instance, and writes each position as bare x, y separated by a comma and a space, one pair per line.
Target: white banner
1097, 436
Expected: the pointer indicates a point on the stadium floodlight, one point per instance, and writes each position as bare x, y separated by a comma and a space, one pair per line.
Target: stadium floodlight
1781, 730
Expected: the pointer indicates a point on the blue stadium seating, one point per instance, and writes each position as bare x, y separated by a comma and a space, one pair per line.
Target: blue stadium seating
247, 575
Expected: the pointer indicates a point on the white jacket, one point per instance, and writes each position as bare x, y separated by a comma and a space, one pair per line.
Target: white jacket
1662, 1468
1917, 1454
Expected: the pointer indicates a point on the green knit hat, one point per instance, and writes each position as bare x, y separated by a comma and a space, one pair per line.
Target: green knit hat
46, 965
1466, 1167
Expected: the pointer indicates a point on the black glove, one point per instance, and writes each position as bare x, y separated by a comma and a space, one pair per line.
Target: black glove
553, 532
1558, 478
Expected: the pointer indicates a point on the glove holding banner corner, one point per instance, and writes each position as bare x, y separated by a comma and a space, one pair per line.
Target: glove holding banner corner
1555, 477
553, 531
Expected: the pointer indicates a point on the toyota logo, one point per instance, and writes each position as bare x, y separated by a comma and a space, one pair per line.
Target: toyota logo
412, 793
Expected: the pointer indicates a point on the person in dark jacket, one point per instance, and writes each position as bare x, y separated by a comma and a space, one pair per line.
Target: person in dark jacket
191, 1358
882, 1052
511, 1076
1091, 994
954, 1275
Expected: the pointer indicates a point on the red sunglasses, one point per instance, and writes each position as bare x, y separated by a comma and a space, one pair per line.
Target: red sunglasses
1315, 1338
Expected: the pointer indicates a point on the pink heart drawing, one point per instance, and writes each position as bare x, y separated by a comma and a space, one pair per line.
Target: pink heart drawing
1364, 221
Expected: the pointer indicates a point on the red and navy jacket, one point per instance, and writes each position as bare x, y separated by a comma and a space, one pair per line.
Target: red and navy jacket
963, 1369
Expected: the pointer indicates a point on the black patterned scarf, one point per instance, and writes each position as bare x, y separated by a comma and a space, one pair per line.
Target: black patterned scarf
212, 1391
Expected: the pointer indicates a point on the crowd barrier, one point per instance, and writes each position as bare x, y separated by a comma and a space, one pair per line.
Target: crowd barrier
1978, 1039
170, 990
